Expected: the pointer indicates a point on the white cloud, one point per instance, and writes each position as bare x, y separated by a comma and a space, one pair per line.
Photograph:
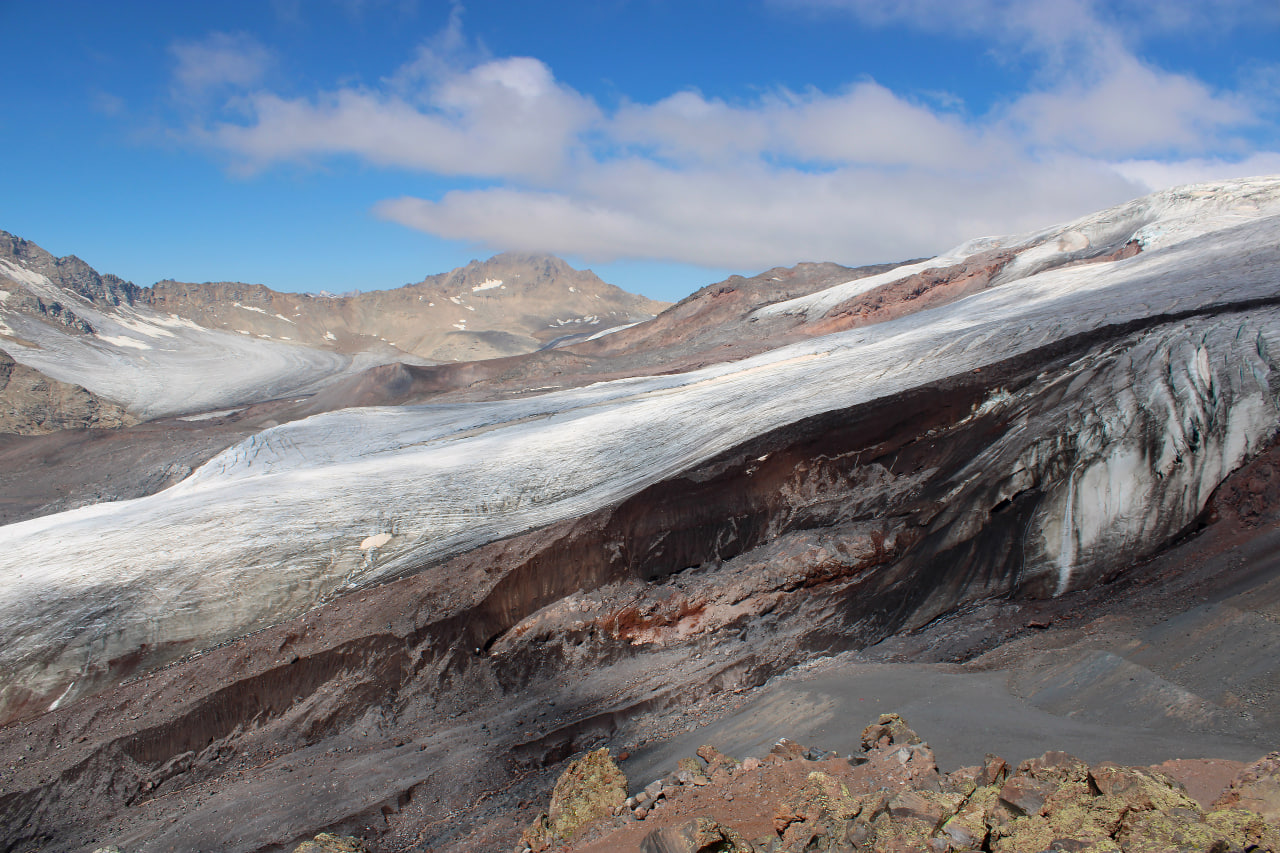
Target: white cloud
505, 118
1130, 108
866, 124
759, 217
857, 175
1156, 174
217, 61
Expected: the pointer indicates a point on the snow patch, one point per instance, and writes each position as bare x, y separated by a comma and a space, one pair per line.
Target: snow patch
142, 326
122, 341
610, 331
251, 308
4, 295
330, 336
22, 274
286, 319
208, 416
487, 284
173, 321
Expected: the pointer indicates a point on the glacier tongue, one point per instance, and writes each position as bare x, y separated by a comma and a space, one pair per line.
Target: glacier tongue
304, 511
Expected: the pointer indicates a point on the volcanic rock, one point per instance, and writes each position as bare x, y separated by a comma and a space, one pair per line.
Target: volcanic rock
701, 835
1256, 789
590, 788
890, 729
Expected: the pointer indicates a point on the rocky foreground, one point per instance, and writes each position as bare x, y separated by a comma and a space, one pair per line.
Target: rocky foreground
891, 796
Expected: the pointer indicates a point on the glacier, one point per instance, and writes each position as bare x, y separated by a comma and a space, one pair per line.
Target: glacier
309, 510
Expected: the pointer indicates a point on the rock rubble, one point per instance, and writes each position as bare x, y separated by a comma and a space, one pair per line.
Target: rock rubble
891, 797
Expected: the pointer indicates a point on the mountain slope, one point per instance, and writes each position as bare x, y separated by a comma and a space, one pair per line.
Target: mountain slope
406, 488
179, 348
396, 615
511, 303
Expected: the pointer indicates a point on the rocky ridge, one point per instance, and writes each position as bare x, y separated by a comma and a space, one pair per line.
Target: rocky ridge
511, 303
34, 404
148, 349
891, 797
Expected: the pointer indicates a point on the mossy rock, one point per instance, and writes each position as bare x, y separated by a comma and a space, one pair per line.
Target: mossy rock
1142, 789
589, 789
328, 843
821, 799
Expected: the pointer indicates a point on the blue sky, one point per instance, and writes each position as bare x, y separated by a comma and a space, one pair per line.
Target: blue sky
357, 144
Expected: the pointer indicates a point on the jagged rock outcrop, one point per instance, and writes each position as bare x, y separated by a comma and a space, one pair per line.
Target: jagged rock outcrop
33, 404
590, 788
69, 273
865, 803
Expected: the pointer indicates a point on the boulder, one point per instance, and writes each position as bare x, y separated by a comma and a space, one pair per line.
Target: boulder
1256, 789
889, 729
821, 797
1142, 789
909, 765
968, 827
717, 761
786, 750
1025, 795
1175, 832
1055, 766
700, 835
590, 788
328, 843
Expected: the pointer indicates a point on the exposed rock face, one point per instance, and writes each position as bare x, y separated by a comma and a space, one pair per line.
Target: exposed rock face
69, 273
33, 404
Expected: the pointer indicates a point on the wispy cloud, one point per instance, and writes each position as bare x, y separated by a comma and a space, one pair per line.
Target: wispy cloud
216, 62
857, 174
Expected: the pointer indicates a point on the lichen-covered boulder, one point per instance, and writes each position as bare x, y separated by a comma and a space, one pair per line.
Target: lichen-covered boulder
1172, 832
328, 843
821, 799
1142, 789
717, 761
888, 730
1256, 789
590, 788
700, 835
